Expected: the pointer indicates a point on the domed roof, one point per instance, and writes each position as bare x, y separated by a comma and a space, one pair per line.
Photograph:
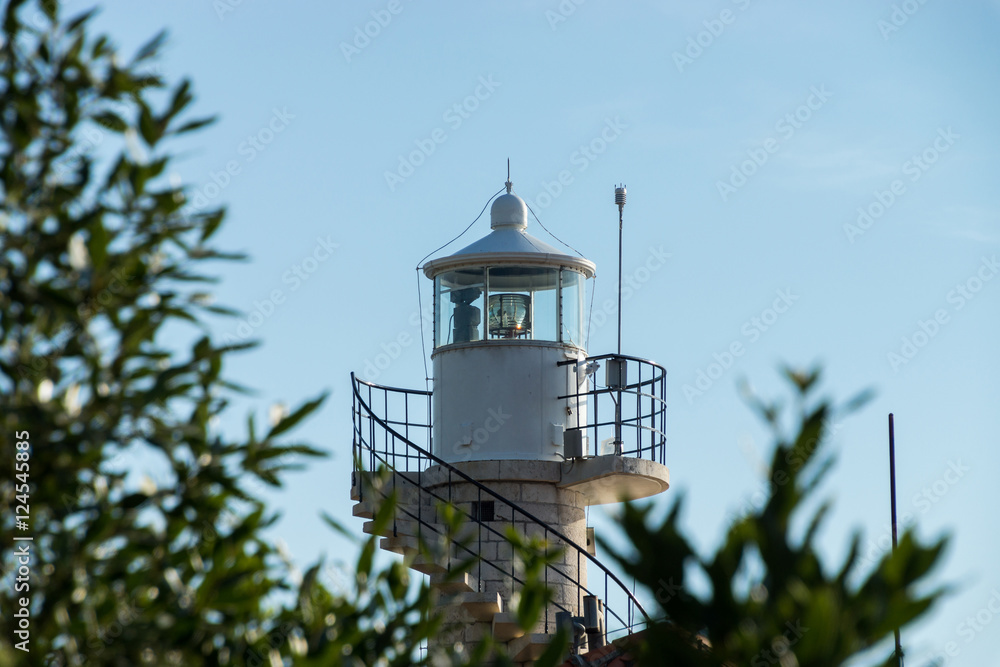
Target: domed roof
508, 210
509, 244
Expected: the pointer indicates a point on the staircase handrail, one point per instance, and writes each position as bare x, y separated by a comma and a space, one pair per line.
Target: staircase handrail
453, 470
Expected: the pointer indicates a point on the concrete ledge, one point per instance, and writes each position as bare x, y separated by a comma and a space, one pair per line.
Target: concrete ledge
599, 479
611, 479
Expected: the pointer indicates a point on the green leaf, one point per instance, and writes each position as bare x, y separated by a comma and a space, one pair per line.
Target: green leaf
134, 500
195, 125
110, 121
181, 98
150, 48
211, 223
294, 418
148, 127
803, 380
77, 23
97, 244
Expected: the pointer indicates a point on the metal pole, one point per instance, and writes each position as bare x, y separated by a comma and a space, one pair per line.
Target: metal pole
620, 279
620, 201
892, 492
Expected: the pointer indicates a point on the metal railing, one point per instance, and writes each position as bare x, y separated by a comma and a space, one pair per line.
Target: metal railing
383, 442
628, 400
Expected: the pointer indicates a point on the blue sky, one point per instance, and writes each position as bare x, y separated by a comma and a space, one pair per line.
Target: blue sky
835, 159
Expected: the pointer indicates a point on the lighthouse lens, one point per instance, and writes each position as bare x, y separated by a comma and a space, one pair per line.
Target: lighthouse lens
508, 316
522, 303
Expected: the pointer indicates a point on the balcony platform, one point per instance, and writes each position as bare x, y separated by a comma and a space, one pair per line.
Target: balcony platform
612, 479
599, 479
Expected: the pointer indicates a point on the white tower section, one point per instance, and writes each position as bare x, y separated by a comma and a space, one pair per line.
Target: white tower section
507, 310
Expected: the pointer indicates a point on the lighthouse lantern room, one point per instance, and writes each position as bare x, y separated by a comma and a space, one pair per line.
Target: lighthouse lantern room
507, 310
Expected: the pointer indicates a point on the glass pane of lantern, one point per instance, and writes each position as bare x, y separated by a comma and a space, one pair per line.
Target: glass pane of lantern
522, 303
572, 332
458, 306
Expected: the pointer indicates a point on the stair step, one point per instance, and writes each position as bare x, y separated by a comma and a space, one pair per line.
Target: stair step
447, 583
404, 545
481, 606
397, 528
429, 564
528, 647
364, 509
505, 627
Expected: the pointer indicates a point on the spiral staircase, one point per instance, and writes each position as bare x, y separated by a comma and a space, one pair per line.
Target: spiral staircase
449, 520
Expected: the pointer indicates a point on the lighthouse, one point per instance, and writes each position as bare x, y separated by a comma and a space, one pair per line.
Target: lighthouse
522, 428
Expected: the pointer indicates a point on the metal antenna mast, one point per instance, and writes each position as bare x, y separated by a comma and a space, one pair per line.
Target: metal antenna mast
892, 492
620, 201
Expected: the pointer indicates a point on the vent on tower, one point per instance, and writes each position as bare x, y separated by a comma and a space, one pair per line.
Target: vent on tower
482, 510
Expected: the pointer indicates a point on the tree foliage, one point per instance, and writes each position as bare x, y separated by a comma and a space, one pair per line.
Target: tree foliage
772, 599
101, 263
102, 278
102, 274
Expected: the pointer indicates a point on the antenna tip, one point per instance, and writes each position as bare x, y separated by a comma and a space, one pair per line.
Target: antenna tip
620, 195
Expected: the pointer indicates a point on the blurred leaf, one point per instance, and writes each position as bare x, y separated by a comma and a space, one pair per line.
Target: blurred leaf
151, 48
295, 417
110, 121
193, 125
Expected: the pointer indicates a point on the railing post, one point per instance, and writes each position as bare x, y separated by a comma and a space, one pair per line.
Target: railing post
597, 419
618, 424
546, 557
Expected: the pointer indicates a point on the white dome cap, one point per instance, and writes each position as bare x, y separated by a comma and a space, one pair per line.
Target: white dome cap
509, 211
